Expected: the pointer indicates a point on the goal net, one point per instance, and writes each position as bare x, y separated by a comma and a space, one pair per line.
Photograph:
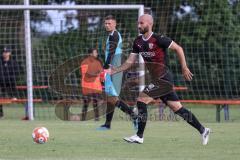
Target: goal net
60, 40
208, 31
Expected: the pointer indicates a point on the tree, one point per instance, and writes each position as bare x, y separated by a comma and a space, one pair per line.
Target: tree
212, 48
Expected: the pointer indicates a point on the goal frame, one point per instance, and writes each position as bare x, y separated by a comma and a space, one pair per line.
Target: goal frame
27, 30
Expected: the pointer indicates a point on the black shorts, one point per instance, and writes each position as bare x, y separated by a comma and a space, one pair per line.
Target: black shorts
162, 88
93, 97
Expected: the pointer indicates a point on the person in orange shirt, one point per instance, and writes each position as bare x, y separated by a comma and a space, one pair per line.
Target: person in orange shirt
91, 67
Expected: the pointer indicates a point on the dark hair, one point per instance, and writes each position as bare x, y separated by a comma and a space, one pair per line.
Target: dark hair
90, 50
6, 49
110, 17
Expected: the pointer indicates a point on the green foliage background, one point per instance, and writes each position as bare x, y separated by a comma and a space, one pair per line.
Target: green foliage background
211, 42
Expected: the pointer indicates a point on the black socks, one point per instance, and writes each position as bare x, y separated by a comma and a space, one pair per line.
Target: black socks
109, 114
121, 105
142, 118
190, 118
125, 108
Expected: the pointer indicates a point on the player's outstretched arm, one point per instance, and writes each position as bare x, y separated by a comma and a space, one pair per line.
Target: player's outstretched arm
185, 70
126, 65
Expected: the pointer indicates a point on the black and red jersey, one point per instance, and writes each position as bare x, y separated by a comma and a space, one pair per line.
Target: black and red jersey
153, 51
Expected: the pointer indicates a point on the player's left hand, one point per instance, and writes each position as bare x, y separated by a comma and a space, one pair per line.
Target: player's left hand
187, 74
104, 72
108, 71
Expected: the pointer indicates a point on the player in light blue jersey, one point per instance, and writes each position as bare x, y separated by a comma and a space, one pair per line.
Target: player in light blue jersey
113, 57
113, 83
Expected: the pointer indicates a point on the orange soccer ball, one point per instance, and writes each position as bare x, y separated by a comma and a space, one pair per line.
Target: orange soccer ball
40, 135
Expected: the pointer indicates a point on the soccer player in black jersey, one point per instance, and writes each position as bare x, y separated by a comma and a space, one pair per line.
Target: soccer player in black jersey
153, 49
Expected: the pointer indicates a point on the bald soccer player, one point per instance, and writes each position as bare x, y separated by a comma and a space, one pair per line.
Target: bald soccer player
153, 49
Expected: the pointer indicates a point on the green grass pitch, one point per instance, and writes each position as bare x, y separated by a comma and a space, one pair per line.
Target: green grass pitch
80, 140
164, 140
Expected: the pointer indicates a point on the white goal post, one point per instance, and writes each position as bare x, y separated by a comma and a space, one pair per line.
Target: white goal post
27, 8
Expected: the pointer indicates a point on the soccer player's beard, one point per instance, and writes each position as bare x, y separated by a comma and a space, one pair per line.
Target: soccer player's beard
144, 30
